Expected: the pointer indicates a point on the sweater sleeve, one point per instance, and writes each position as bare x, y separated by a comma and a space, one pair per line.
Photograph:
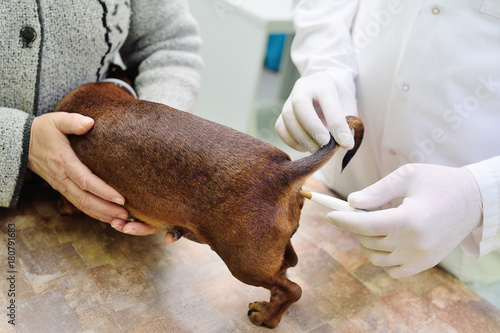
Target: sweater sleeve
15, 130
163, 45
486, 238
323, 42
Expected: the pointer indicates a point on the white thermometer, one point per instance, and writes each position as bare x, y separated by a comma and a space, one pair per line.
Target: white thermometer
329, 201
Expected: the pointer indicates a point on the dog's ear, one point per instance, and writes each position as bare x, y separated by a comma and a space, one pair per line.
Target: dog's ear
304, 167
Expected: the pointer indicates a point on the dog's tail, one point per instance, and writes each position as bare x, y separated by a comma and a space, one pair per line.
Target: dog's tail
307, 165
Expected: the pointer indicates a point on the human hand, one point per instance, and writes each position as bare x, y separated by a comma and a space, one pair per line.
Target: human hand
53, 159
316, 107
441, 206
139, 229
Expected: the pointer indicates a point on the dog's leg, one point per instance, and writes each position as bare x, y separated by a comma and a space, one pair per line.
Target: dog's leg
290, 259
283, 294
266, 270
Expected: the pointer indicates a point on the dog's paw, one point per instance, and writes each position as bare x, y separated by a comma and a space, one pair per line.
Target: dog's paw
256, 312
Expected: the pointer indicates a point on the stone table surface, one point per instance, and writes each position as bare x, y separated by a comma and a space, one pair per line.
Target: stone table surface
74, 274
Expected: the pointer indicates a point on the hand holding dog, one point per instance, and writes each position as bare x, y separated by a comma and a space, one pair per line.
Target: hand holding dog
316, 107
441, 206
52, 158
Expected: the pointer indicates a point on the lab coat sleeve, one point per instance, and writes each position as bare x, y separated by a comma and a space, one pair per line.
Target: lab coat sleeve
486, 238
15, 129
322, 41
163, 45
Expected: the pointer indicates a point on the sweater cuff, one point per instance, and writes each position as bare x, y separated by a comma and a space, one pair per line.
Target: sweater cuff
24, 160
486, 238
14, 152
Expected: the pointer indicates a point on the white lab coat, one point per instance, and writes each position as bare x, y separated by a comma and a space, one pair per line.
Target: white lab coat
427, 81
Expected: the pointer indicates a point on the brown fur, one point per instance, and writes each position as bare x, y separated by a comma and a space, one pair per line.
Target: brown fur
207, 182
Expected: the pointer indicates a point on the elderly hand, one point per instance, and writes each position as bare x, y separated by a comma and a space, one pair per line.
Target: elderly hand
53, 159
316, 107
441, 206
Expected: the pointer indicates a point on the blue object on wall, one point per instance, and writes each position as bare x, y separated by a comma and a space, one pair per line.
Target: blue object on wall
274, 52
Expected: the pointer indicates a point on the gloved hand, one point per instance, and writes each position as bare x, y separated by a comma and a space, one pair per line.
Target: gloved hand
441, 206
316, 107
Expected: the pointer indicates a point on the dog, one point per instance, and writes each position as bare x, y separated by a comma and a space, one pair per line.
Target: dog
203, 181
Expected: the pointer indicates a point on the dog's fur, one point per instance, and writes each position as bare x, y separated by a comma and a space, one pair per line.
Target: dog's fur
204, 181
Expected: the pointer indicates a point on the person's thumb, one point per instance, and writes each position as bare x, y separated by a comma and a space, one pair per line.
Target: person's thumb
391, 187
72, 123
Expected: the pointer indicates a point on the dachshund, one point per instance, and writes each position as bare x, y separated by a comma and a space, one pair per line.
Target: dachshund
203, 181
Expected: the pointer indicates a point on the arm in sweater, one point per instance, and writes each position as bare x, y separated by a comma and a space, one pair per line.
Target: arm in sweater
163, 44
15, 127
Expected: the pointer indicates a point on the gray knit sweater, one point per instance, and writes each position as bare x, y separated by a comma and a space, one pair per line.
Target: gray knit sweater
50, 47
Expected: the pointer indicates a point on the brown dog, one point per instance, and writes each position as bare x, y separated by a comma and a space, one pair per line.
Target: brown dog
204, 181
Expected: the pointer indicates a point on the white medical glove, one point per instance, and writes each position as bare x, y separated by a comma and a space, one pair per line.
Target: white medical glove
440, 207
316, 107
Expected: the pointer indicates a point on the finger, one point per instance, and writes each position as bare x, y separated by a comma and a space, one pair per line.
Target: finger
383, 259
285, 135
393, 186
72, 123
372, 224
118, 224
90, 204
335, 119
376, 243
296, 131
169, 238
308, 119
401, 271
135, 228
83, 177
139, 229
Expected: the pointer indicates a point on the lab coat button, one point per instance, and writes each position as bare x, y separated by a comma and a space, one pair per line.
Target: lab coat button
28, 34
435, 10
405, 87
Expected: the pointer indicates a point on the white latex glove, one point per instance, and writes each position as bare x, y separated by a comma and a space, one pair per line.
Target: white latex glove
316, 107
441, 206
